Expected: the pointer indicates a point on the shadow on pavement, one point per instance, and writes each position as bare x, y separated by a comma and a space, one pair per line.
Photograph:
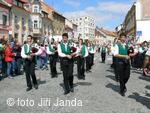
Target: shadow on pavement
111, 77
147, 87
137, 72
41, 82
145, 78
84, 83
110, 70
113, 87
62, 85
147, 94
143, 100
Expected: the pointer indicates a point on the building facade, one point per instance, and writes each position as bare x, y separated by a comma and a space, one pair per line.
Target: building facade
19, 20
137, 21
58, 23
104, 36
130, 22
4, 19
86, 27
41, 19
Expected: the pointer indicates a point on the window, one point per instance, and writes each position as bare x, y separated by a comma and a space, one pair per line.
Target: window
35, 24
35, 9
40, 24
16, 19
4, 20
16, 35
23, 21
30, 23
15, 2
20, 4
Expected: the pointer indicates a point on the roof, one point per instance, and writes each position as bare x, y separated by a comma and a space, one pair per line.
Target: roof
11, 1
108, 32
24, 1
46, 8
5, 3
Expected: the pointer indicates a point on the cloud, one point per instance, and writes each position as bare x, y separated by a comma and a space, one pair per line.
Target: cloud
114, 7
74, 3
102, 12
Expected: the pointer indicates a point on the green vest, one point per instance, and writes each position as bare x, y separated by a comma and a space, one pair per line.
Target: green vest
50, 48
82, 52
103, 49
122, 50
27, 49
64, 50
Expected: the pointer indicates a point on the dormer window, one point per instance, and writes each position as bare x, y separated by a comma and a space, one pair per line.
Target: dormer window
35, 8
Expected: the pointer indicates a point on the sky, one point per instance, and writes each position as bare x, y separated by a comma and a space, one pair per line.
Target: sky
107, 13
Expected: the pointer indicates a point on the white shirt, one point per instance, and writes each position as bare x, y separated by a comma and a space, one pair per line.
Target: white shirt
140, 50
116, 50
86, 52
79, 50
92, 51
148, 52
23, 55
48, 50
60, 53
113, 49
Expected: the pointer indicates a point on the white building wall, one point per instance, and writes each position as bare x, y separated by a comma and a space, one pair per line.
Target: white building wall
138, 10
144, 28
86, 26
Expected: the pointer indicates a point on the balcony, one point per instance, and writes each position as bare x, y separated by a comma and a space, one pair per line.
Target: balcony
37, 30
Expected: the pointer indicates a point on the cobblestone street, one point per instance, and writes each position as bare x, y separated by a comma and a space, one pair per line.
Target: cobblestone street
98, 93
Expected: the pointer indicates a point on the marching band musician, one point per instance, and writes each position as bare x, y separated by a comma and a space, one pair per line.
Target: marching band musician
82, 53
103, 51
64, 51
123, 63
51, 51
92, 51
28, 55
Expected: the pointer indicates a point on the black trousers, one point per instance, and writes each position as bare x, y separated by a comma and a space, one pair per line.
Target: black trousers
123, 70
103, 56
81, 67
30, 72
115, 68
92, 59
67, 68
88, 63
53, 61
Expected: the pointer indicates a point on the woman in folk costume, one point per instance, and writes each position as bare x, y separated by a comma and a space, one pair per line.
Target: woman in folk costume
28, 54
64, 51
82, 53
51, 51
